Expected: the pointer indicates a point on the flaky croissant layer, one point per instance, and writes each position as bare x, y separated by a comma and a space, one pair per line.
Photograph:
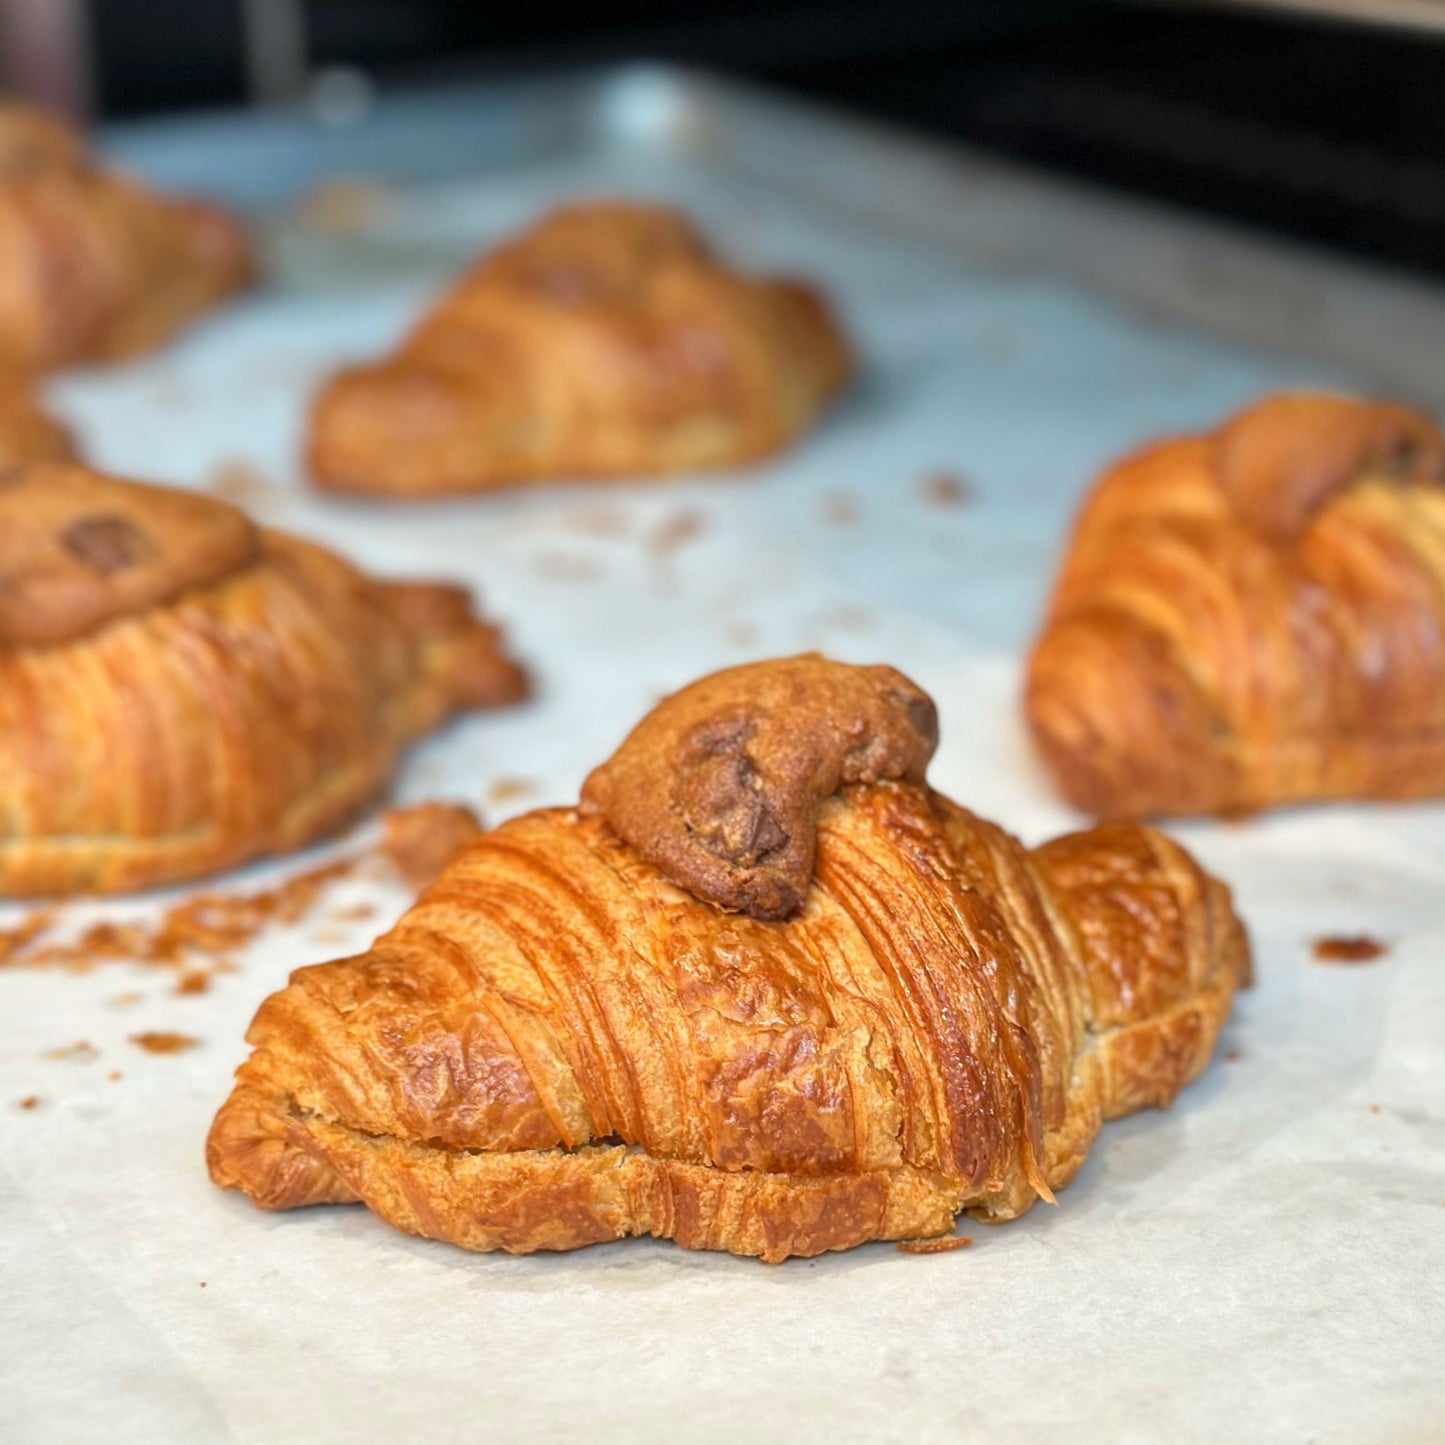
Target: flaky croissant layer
557, 1045
181, 691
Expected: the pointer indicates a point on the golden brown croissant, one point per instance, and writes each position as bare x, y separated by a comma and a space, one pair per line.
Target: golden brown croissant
565, 1042
1253, 617
181, 691
94, 266
604, 341
27, 434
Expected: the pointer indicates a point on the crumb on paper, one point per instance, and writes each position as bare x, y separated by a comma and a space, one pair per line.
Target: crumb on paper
345, 203
945, 1245
841, 508
114, 1077
847, 618
30, 1101
162, 1041
128, 999
508, 789
945, 488
420, 841
1348, 948
195, 980
203, 1284
1231, 1056
82, 1051
353, 913
16, 940
674, 530
566, 567
1374, 1108
209, 924
600, 520
238, 482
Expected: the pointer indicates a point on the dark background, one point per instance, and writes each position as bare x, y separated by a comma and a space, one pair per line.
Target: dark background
1327, 131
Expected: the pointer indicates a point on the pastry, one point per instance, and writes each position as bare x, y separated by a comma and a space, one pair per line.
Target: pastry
26, 432
762, 991
94, 266
1253, 617
606, 341
181, 690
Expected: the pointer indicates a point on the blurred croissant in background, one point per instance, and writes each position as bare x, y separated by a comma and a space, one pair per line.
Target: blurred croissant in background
181, 690
1254, 616
94, 266
762, 991
605, 341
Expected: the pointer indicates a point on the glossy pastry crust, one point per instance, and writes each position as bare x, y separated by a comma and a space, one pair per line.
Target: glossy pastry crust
181, 690
559, 1045
605, 341
1253, 617
94, 266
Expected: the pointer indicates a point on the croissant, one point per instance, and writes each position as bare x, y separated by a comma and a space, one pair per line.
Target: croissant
1253, 617
604, 341
762, 991
181, 690
94, 266
26, 432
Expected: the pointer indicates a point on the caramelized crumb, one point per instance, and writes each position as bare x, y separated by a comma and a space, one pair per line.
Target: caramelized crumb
566, 567
115, 1076
1374, 1108
16, 940
82, 1051
944, 1245
195, 980
344, 203
353, 913
673, 531
210, 924
421, 841
946, 489
1351, 948
507, 790
30, 1101
239, 483
203, 1284
162, 1042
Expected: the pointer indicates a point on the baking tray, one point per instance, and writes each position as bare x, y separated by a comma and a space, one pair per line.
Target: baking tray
1263, 1262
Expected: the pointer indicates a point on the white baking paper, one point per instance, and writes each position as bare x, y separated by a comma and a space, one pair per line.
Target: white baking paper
1264, 1262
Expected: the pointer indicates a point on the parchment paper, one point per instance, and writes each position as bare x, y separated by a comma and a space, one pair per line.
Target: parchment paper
1264, 1262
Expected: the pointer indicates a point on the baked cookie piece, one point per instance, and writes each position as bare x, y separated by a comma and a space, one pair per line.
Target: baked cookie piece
181, 690
1254, 616
606, 341
94, 266
768, 993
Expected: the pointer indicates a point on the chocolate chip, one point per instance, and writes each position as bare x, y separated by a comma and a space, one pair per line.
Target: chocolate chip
107, 544
922, 717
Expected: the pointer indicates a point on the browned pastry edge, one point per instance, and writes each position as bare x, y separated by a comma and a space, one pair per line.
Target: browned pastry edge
79, 549
718, 786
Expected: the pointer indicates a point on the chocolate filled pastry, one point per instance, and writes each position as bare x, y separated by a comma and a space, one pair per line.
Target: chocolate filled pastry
761, 991
181, 690
1253, 617
94, 266
606, 341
